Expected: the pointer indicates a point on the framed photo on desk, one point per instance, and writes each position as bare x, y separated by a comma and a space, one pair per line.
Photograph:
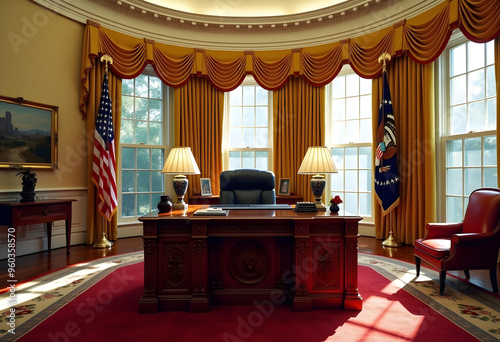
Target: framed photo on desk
206, 186
284, 189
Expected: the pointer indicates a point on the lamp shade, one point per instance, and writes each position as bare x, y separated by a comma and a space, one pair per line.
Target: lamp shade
180, 160
318, 159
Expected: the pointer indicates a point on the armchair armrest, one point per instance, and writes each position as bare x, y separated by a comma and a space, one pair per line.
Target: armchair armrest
472, 238
442, 230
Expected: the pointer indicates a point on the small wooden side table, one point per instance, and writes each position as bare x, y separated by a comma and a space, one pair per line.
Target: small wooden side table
16, 213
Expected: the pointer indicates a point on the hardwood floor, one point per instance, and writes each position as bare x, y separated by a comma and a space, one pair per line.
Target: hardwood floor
34, 265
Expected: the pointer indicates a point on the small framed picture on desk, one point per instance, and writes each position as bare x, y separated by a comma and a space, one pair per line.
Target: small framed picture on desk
206, 187
284, 189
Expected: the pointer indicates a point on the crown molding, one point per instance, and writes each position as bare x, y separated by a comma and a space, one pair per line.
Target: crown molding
332, 24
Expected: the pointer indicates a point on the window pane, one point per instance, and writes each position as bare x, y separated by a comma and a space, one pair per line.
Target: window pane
365, 180
248, 96
338, 109
261, 160
365, 204
128, 205
248, 137
261, 96
127, 107
338, 157
352, 130
155, 199
476, 84
235, 117
141, 132
472, 154
128, 181
490, 81
261, 117
351, 203
454, 209
365, 106
454, 182
234, 160
365, 130
457, 91
143, 158
262, 137
490, 177
156, 159
235, 137
472, 180
248, 160
143, 204
351, 158
156, 181
365, 86
491, 110
143, 181
458, 60
338, 181
365, 158
154, 88
155, 133
351, 180
490, 151
128, 158
458, 120
475, 56
352, 85
248, 117
338, 87
477, 116
128, 87
141, 109
235, 97
352, 110
127, 131
141, 86
155, 113
454, 153
490, 52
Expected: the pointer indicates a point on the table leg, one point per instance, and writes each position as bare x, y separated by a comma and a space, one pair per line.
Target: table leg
68, 234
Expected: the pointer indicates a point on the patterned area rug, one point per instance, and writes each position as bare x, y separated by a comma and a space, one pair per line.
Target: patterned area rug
471, 308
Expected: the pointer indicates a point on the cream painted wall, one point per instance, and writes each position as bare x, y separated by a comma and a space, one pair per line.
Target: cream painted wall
40, 54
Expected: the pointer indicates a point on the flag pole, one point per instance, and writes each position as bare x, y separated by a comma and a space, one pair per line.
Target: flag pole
104, 243
390, 241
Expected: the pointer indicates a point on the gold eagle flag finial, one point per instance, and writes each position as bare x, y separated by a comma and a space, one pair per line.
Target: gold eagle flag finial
384, 57
108, 59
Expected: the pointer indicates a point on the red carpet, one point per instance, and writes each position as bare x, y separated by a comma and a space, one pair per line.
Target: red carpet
108, 312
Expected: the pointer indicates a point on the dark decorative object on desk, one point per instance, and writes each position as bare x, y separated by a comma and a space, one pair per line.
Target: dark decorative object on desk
29, 183
165, 205
334, 204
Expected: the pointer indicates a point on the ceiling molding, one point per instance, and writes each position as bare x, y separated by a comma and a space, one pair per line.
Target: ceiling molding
142, 19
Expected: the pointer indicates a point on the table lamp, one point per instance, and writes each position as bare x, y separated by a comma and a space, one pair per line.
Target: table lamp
181, 162
317, 160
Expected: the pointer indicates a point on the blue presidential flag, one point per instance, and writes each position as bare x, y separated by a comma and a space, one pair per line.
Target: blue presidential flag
386, 166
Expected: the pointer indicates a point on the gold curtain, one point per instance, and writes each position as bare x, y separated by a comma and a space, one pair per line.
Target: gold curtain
299, 112
94, 219
412, 91
479, 20
198, 115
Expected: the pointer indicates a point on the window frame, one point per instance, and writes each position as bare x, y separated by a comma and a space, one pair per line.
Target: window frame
226, 149
443, 94
166, 110
347, 70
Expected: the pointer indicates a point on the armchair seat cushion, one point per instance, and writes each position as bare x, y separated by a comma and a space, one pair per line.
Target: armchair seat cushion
437, 248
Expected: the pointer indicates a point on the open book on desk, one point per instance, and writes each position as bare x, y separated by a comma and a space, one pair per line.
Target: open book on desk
211, 212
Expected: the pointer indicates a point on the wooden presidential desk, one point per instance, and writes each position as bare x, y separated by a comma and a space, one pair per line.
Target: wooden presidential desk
250, 257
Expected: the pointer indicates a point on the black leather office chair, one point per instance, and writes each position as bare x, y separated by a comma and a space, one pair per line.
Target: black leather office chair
247, 186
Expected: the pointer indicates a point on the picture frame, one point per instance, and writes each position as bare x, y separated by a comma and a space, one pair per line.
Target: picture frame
28, 134
206, 186
284, 189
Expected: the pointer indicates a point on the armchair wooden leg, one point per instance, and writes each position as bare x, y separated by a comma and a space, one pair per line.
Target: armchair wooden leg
467, 274
493, 278
442, 281
417, 265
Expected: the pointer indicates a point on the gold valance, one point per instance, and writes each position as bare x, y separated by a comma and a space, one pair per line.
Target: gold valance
423, 38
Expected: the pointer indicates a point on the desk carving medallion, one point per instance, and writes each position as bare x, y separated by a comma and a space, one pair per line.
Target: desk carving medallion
249, 262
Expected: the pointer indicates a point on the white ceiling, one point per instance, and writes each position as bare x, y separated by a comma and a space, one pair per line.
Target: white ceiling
246, 8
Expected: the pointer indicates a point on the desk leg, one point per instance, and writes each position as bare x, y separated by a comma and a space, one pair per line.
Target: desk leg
49, 235
301, 297
149, 300
199, 300
68, 227
352, 300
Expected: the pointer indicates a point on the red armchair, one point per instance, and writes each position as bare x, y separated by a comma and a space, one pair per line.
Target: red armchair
469, 245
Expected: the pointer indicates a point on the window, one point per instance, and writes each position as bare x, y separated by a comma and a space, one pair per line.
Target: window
248, 129
142, 137
468, 124
349, 134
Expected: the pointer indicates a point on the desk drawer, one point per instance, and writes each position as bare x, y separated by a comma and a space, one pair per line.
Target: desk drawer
41, 213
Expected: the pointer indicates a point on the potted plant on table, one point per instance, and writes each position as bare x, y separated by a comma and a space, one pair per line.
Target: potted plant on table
334, 204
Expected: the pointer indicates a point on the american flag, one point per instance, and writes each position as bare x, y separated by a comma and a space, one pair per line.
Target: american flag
103, 168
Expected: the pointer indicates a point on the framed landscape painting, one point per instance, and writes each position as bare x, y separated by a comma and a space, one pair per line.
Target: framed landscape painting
28, 134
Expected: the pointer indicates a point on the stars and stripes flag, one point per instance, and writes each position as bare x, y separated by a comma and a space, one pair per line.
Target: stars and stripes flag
386, 167
104, 163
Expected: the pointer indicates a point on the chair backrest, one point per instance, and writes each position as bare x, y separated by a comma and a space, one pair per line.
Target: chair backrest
247, 186
483, 211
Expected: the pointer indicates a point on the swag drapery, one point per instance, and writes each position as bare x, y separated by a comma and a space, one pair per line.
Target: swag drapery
420, 39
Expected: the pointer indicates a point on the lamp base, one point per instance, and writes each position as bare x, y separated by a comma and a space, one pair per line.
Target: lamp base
181, 205
319, 205
180, 187
318, 184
